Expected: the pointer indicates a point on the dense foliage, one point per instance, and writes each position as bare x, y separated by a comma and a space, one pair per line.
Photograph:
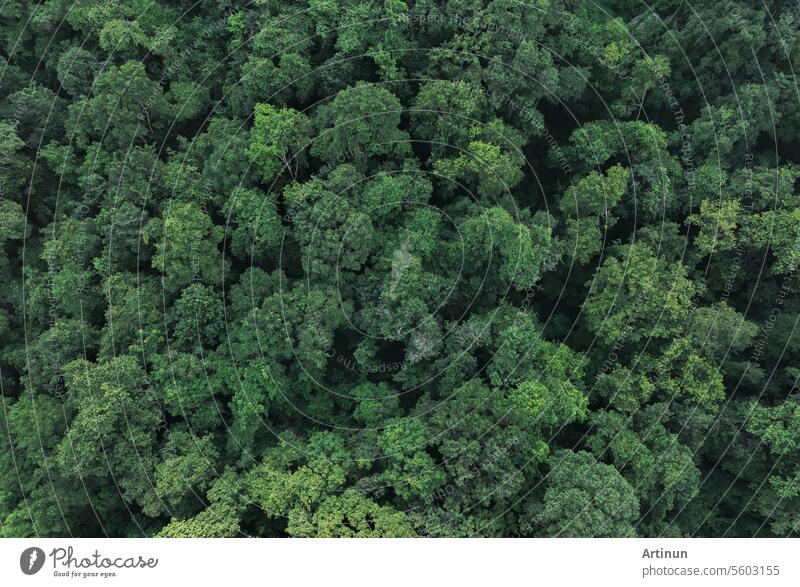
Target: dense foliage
396, 268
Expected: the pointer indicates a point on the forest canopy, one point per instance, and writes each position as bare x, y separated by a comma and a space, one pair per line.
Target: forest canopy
361, 268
